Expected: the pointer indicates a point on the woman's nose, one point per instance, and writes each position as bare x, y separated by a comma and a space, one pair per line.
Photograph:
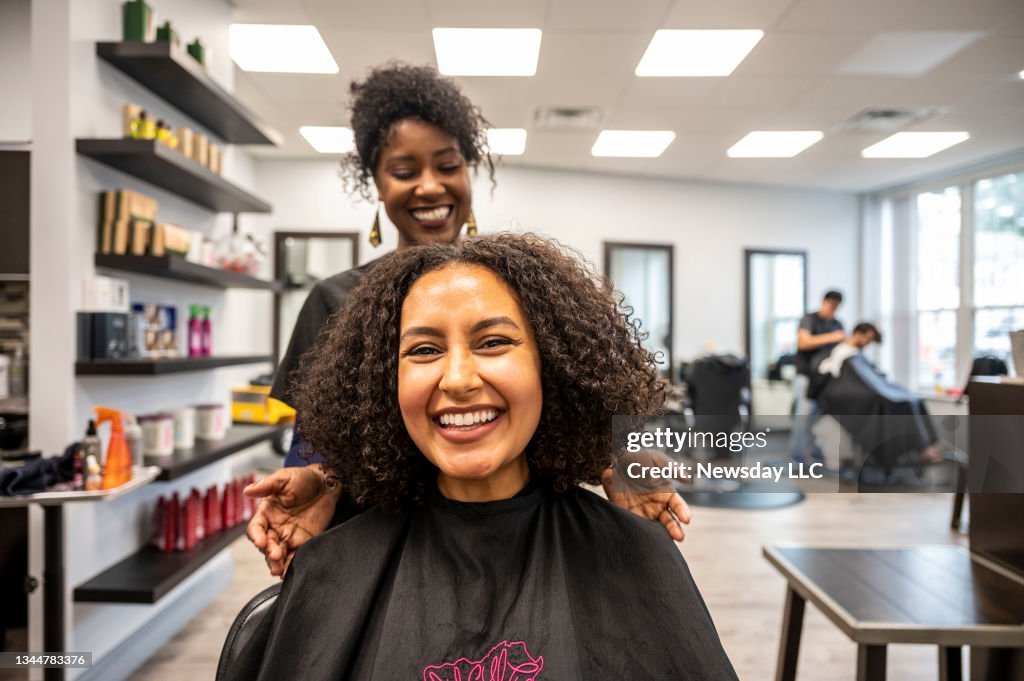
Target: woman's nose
460, 373
430, 184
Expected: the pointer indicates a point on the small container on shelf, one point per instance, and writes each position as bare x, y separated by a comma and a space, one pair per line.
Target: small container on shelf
157, 434
137, 19
210, 422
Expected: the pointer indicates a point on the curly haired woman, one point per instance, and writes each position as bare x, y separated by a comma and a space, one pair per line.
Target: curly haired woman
463, 395
417, 137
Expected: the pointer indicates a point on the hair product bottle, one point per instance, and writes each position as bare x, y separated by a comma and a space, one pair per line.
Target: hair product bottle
118, 468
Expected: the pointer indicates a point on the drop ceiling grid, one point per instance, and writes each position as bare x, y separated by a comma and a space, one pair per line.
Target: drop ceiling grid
590, 49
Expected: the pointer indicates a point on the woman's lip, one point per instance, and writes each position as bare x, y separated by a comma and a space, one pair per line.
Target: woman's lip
456, 436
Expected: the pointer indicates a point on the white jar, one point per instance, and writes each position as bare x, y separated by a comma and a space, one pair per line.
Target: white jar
5, 365
157, 434
185, 428
210, 422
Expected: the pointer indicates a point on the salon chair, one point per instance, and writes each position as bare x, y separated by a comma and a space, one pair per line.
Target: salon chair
718, 399
249, 632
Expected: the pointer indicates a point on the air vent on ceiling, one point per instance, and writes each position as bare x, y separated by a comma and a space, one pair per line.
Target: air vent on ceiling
888, 120
568, 118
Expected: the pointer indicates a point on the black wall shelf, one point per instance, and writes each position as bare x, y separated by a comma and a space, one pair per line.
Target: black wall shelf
174, 75
184, 461
147, 576
175, 267
155, 367
166, 168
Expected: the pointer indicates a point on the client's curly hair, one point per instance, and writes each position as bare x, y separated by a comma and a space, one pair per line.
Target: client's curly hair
592, 368
395, 92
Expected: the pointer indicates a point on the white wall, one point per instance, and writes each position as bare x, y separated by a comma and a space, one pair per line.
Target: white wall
709, 224
16, 112
74, 95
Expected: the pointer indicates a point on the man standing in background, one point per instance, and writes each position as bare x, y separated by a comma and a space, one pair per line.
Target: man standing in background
818, 333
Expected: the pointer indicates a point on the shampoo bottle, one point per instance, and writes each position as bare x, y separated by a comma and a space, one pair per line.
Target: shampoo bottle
91, 443
195, 332
206, 333
118, 468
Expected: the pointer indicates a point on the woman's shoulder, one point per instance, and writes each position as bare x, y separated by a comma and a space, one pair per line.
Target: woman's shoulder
605, 526
366, 539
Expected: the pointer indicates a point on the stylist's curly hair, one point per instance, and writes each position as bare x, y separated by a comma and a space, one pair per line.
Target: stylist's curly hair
592, 368
395, 92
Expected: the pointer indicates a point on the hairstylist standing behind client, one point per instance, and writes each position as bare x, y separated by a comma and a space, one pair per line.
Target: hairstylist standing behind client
416, 138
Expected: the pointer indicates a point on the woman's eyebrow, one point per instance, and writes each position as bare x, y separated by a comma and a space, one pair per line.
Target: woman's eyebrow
492, 321
476, 328
421, 331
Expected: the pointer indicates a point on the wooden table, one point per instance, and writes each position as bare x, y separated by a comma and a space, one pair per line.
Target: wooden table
940, 595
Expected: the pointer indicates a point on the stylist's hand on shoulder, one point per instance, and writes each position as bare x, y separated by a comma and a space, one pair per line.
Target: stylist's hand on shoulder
296, 505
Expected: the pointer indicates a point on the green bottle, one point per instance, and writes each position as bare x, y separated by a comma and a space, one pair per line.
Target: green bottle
138, 20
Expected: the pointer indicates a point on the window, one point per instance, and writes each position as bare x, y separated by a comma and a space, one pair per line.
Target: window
949, 262
938, 286
998, 264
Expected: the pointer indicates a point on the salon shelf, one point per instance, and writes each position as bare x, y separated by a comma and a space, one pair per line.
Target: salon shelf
155, 367
176, 267
172, 73
147, 576
159, 165
184, 461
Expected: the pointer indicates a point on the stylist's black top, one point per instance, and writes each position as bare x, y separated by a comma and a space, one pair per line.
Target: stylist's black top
326, 297
540, 587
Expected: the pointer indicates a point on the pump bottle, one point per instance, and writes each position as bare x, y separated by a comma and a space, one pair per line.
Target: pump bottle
118, 468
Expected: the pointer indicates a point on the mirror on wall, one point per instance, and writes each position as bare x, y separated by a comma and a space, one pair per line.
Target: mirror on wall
301, 260
643, 272
776, 299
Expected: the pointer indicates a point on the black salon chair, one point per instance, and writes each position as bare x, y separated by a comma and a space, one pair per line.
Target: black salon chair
718, 399
249, 632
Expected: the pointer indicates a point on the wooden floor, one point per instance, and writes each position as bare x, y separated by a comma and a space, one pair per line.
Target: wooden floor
723, 549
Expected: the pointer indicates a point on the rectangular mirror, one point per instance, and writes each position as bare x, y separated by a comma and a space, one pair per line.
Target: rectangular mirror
776, 299
643, 272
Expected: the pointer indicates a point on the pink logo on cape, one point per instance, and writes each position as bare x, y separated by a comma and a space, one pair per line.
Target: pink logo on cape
504, 662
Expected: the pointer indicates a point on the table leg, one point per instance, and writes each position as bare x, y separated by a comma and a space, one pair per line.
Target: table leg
950, 667
789, 644
870, 663
53, 586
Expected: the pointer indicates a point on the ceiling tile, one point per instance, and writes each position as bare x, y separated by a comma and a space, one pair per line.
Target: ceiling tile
959, 15
581, 91
639, 117
394, 15
906, 53
826, 119
844, 15
991, 58
725, 14
798, 54
851, 92
937, 91
671, 92
287, 87
558, 147
505, 102
358, 51
573, 54
763, 92
606, 15
477, 14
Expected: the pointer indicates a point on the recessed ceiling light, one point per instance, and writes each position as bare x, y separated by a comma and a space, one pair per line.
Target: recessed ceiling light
632, 143
507, 141
774, 143
674, 53
914, 144
328, 139
274, 48
1021, 75
487, 51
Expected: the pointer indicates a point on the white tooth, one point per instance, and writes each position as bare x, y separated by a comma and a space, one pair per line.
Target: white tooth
460, 420
477, 416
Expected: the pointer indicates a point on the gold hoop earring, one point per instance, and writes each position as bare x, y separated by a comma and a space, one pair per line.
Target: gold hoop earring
471, 225
375, 229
